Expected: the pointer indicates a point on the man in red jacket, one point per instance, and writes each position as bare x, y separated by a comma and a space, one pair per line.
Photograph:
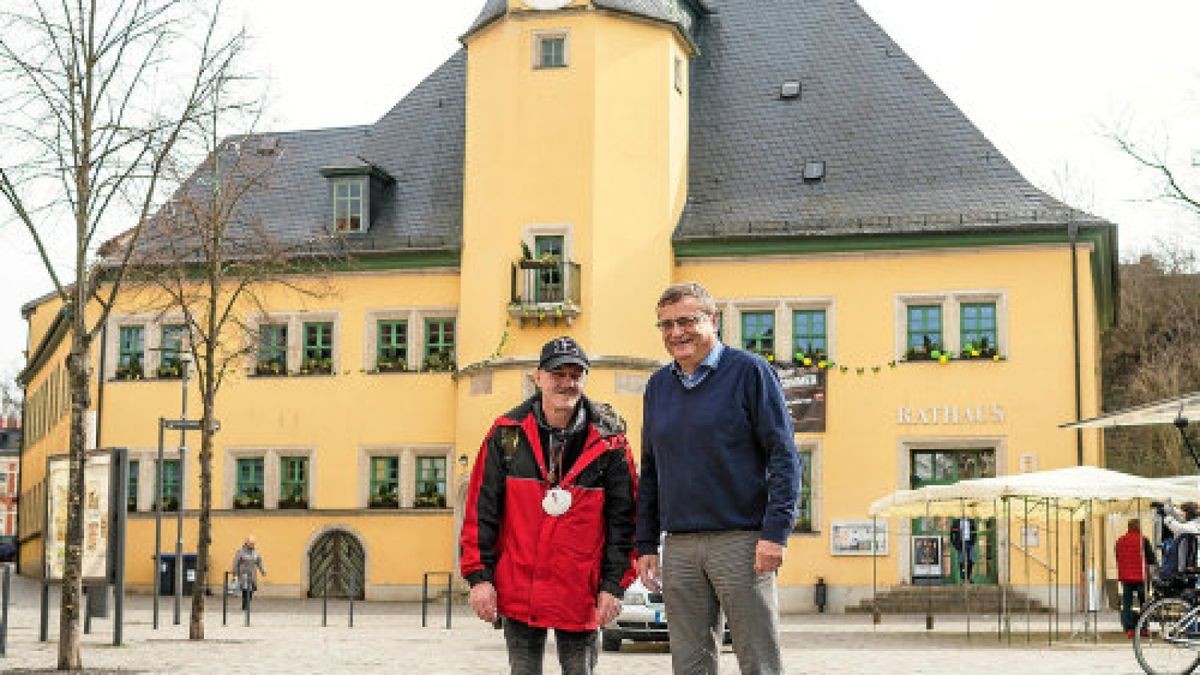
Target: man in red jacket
1134, 553
547, 537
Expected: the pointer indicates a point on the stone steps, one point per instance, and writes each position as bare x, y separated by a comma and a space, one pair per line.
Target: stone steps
974, 599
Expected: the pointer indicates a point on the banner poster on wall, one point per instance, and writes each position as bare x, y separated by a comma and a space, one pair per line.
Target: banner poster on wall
95, 516
804, 392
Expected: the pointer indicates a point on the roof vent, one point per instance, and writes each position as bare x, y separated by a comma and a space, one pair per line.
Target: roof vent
814, 171
790, 89
269, 145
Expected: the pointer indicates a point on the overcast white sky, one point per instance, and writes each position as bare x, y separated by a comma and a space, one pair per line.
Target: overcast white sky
1044, 80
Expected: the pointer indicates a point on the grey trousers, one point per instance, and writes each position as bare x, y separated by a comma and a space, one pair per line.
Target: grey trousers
527, 646
705, 574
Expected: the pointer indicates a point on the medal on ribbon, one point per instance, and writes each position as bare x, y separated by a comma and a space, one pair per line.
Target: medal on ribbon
556, 502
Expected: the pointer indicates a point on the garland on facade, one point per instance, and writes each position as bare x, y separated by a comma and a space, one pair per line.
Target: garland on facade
821, 362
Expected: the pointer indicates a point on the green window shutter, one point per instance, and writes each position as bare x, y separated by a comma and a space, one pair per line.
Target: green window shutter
272, 349
439, 344
170, 484
385, 482
804, 505
808, 334
978, 329
293, 486
392, 346
924, 328
431, 482
758, 333
318, 347
171, 353
131, 487
131, 352
249, 483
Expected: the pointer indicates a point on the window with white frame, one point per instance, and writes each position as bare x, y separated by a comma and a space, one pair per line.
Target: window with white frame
957, 325
305, 343
784, 329
404, 477
349, 204
551, 49
268, 478
414, 339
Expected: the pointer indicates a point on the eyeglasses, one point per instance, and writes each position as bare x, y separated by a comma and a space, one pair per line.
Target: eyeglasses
683, 322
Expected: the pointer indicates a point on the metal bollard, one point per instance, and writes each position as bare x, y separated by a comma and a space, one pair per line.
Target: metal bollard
225, 601
352, 609
325, 604
4, 590
249, 601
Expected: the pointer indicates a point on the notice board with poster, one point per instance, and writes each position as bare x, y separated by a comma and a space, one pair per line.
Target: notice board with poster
97, 512
804, 393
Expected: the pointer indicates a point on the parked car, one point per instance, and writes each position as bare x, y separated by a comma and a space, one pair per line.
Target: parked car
8, 548
643, 618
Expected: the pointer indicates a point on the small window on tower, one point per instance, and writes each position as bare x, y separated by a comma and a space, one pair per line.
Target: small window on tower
550, 50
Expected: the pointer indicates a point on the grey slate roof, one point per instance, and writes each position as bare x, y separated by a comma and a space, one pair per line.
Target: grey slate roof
668, 11
899, 155
492, 10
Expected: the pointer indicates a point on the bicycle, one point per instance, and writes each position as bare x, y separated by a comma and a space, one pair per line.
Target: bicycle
1167, 636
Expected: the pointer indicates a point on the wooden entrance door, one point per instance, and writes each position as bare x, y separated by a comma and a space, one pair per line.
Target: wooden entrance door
336, 558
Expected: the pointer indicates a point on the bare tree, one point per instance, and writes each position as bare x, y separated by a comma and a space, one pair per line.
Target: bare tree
1176, 184
207, 258
1151, 354
11, 401
97, 94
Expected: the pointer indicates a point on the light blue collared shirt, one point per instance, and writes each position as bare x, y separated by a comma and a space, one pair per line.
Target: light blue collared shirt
706, 366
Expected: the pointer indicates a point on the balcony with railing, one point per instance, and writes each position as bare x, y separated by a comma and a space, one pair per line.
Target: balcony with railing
545, 290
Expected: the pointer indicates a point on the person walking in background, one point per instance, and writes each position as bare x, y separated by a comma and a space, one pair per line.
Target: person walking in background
1134, 553
547, 536
964, 532
720, 476
247, 563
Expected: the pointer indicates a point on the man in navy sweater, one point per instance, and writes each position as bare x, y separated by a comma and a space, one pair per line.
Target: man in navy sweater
720, 476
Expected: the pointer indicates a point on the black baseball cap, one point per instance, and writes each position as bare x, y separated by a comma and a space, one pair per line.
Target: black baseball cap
560, 352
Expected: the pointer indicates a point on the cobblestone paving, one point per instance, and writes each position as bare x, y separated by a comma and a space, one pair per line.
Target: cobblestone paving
286, 636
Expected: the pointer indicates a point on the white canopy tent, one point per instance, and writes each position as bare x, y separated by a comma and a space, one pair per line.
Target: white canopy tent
1070, 489
1166, 411
1075, 494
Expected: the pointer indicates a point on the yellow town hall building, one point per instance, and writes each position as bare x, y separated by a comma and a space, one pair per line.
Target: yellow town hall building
569, 162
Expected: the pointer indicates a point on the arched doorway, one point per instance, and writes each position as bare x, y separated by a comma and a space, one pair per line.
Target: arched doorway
336, 558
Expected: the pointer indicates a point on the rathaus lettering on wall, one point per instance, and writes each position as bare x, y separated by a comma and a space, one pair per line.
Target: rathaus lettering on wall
952, 414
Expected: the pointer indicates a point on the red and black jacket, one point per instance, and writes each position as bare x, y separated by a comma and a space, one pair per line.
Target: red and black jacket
548, 570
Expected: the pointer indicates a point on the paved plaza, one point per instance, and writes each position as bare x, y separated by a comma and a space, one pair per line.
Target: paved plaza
286, 637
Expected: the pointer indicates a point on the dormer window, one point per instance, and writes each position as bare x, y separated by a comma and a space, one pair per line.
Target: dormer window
356, 190
349, 198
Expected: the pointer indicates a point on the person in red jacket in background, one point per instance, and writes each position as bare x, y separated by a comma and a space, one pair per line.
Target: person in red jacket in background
1134, 553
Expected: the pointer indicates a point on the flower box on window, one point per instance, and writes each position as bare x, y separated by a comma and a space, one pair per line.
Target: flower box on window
978, 351
270, 368
430, 500
130, 371
170, 372
169, 504
384, 501
317, 367
439, 362
293, 503
253, 501
386, 366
